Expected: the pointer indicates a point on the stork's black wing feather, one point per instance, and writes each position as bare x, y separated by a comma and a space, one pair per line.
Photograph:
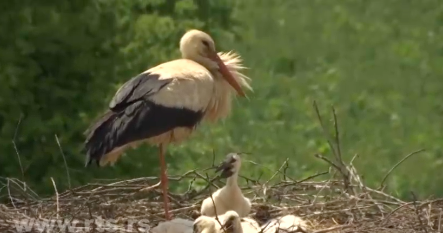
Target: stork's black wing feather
140, 120
133, 117
135, 89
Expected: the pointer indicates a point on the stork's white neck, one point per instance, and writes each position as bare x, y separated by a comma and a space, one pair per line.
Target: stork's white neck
232, 180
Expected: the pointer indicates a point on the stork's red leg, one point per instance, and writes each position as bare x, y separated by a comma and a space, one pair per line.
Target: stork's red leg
164, 181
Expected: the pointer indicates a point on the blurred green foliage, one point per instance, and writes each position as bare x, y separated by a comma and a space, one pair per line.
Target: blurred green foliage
378, 62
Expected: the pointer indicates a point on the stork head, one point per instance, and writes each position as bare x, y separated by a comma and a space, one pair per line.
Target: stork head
230, 165
232, 222
204, 224
200, 47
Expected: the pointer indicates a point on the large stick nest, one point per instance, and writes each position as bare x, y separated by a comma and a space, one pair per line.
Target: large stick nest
327, 206
339, 203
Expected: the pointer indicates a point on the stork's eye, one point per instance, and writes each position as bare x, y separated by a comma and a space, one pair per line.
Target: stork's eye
206, 43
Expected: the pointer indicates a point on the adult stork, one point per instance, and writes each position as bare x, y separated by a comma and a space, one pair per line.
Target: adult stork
164, 104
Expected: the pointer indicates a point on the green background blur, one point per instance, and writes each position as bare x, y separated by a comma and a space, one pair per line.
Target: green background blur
379, 62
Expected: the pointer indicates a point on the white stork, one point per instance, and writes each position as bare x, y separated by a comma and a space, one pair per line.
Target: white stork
164, 104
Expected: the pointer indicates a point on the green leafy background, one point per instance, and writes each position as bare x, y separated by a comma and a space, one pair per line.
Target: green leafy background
379, 62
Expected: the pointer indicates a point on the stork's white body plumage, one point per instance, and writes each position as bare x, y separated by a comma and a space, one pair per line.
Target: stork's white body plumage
189, 86
229, 222
165, 104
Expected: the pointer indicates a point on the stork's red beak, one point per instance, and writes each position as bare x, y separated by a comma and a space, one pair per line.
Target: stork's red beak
227, 75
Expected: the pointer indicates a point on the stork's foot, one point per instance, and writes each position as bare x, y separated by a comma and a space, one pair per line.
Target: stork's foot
152, 187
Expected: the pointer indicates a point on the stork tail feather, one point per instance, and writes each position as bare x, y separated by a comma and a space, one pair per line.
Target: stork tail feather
96, 144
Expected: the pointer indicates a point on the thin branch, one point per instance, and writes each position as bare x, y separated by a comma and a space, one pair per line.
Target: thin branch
213, 158
395, 210
321, 189
353, 158
396, 165
340, 165
277, 172
64, 160
324, 128
267, 168
56, 197
9, 195
337, 135
313, 176
327, 161
414, 198
16, 149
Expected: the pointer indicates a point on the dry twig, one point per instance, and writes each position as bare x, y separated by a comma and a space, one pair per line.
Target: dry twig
396, 165
64, 160
414, 198
16, 149
56, 198
339, 163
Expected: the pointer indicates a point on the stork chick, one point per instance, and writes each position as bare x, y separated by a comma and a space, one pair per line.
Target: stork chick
229, 197
205, 224
230, 223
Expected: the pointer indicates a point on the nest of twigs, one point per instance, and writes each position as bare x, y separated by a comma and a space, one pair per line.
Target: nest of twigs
328, 206
340, 202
